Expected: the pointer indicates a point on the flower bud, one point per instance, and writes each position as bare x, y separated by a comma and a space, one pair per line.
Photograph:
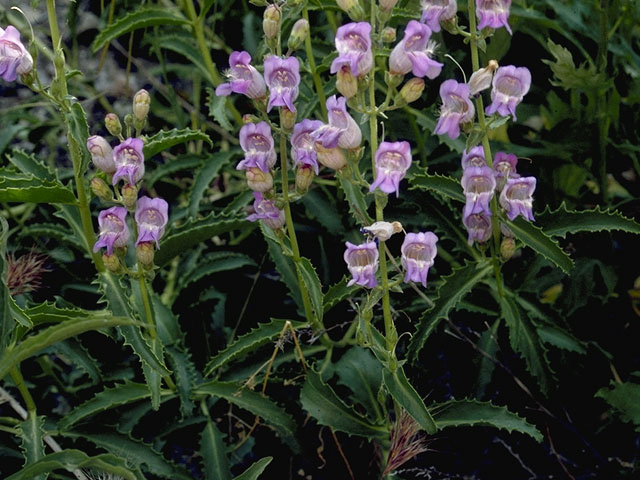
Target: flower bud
353, 9
298, 34
101, 154
507, 248
249, 118
346, 83
141, 102
112, 262
129, 197
271, 21
411, 91
287, 118
389, 35
333, 158
145, 253
393, 79
100, 189
304, 179
112, 122
387, 4
481, 79
257, 180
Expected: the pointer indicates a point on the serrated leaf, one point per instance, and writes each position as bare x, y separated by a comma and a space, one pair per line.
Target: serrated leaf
33, 190
214, 263
167, 323
186, 377
153, 377
30, 165
471, 412
255, 470
214, 457
203, 178
441, 184
165, 139
328, 409
76, 353
567, 75
71, 460
624, 397
559, 222
47, 231
560, 339
453, 288
218, 110
194, 232
312, 285
534, 237
337, 293
488, 343
47, 312
356, 200
284, 265
403, 392
140, 18
184, 162
31, 433
79, 131
251, 341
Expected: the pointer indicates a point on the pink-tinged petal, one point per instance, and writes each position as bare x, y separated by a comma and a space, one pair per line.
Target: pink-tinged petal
418, 254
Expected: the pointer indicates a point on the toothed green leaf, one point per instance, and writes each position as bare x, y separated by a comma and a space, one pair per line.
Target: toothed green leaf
312, 285
559, 222
213, 451
165, 139
255, 470
441, 184
403, 392
31, 433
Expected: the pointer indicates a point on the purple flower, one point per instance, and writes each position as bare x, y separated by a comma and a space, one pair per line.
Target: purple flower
478, 226
257, 143
414, 53
266, 211
243, 78
303, 151
516, 197
473, 158
510, 84
353, 42
113, 229
101, 154
362, 262
436, 11
393, 159
283, 77
14, 58
418, 251
151, 216
493, 13
342, 130
504, 167
456, 108
479, 185
129, 160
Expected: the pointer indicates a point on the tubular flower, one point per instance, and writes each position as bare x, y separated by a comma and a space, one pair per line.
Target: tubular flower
101, 154
418, 252
282, 76
478, 226
303, 151
129, 160
493, 13
516, 197
243, 78
479, 185
14, 58
456, 108
414, 53
342, 130
436, 11
362, 262
152, 215
266, 211
510, 85
257, 143
113, 229
473, 158
504, 167
353, 42
393, 159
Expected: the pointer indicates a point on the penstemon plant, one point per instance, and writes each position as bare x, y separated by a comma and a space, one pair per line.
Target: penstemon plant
358, 186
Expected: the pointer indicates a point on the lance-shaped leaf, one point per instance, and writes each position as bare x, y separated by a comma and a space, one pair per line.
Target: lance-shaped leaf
204, 176
213, 451
165, 139
403, 392
255, 470
27, 188
29, 164
356, 199
441, 184
337, 293
312, 285
31, 433
559, 222
533, 236
79, 131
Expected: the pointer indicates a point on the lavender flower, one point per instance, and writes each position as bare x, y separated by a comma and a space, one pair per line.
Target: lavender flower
362, 262
342, 130
333, 158
418, 252
113, 229
243, 78
504, 167
129, 160
266, 211
393, 159
478, 226
257, 143
14, 58
353, 42
303, 151
493, 13
473, 158
283, 77
516, 197
151, 216
101, 154
510, 85
456, 108
479, 185
436, 11
414, 53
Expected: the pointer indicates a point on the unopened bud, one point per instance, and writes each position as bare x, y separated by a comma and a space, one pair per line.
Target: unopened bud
346, 83
392, 79
389, 35
145, 253
481, 79
507, 248
257, 180
287, 119
304, 179
271, 21
112, 122
298, 34
129, 196
101, 154
100, 189
249, 118
387, 4
411, 91
112, 262
353, 9
334, 158
141, 102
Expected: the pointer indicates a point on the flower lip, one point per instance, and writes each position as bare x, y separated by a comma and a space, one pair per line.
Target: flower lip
473, 158
418, 254
517, 197
493, 13
478, 226
479, 185
510, 85
392, 159
151, 216
266, 211
258, 145
282, 77
303, 151
353, 42
113, 229
244, 78
414, 53
456, 108
436, 11
362, 262
129, 160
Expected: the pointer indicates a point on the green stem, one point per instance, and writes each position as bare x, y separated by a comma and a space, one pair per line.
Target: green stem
24, 391
146, 304
312, 65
